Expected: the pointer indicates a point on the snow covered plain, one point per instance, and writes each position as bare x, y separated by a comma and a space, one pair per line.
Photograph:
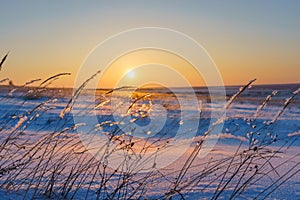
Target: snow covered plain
51, 147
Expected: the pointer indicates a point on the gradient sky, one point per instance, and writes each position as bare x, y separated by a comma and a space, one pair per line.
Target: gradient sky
246, 39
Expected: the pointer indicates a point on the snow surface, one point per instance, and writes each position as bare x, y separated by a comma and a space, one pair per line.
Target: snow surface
182, 124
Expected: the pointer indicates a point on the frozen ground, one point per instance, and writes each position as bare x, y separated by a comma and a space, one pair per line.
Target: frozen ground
251, 154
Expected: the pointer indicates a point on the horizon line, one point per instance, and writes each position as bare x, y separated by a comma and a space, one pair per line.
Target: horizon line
144, 88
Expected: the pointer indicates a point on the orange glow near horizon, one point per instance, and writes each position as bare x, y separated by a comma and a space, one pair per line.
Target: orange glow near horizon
125, 64
234, 71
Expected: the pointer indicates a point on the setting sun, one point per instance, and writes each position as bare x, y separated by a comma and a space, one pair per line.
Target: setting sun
130, 73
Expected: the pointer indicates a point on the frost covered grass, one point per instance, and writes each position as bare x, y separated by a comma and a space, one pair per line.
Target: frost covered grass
42, 155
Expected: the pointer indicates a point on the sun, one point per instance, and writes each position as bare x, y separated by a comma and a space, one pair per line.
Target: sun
130, 74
